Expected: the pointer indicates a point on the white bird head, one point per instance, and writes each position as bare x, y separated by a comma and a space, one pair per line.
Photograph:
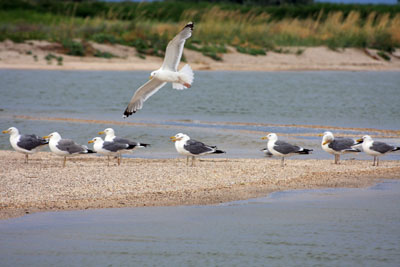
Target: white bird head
108, 132
327, 138
271, 136
96, 140
365, 138
179, 137
11, 131
53, 136
153, 74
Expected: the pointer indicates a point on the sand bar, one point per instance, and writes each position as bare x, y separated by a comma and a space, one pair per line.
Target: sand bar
87, 182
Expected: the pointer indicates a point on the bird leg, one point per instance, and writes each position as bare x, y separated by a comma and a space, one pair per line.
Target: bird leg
108, 161
373, 164
65, 160
193, 159
337, 157
187, 85
187, 161
283, 162
377, 161
119, 159
26, 158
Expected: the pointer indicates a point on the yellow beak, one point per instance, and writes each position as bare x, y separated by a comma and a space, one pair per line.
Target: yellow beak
320, 135
173, 138
264, 137
5, 131
102, 132
46, 137
91, 141
324, 143
359, 140
150, 77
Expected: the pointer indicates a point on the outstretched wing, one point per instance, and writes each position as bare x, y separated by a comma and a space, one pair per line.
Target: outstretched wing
174, 49
142, 94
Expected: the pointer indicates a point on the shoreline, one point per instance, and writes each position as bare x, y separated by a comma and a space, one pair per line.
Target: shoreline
31, 55
43, 185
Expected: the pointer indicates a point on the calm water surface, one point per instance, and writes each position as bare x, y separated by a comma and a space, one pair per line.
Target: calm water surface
345, 99
334, 227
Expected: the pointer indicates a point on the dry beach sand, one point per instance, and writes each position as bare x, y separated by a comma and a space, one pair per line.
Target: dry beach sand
87, 182
22, 56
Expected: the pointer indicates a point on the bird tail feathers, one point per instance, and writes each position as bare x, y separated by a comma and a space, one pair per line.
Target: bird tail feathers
187, 76
305, 151
219, 151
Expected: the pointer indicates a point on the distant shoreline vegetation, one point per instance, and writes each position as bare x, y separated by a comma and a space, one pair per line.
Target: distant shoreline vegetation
252, 29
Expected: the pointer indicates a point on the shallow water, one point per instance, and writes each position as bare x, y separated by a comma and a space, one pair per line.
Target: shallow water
332, 227
341, 99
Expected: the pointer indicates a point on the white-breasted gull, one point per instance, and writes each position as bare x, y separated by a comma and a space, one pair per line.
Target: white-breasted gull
192, 148
376, 148
338, 145
25, 143
283, 149
65, 147
168, 72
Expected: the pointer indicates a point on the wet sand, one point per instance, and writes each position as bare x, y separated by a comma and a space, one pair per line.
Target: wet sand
87, 183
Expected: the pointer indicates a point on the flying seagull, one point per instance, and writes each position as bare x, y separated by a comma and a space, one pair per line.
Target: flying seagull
65, 147
109, 148
192, 148
376, 148
25, 143
283, 149
168, 72
338, 146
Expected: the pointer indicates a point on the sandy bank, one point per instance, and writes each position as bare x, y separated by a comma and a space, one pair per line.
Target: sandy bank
31, 55
86, 182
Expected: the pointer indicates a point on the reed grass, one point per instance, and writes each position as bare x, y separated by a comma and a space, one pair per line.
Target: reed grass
249, 30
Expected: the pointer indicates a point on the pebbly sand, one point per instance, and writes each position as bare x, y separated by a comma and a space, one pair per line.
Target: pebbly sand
31, 55
87, 182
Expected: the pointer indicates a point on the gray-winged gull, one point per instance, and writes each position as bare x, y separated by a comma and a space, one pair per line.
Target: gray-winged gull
339, 145
192, 148
25, 143
168, 72
376, 148
283, 149
65, 147
109, 148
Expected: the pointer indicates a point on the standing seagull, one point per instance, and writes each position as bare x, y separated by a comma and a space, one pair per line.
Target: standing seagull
110, 137
167, 73
109, 148
283, 149
26, 143
189, 147
376, 148
338, 146
65, 147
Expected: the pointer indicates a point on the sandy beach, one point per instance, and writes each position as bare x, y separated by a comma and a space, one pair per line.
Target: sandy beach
31, 55
87, 182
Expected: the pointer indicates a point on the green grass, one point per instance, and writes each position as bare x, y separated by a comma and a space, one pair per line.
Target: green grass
251, 29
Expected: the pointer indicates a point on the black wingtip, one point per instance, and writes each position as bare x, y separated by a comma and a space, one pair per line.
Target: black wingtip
89, 151
305, 151
219, 152
127, 113
190, 25
144, 145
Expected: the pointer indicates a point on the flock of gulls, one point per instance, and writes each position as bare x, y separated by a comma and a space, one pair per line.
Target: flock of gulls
116, 146
182, 79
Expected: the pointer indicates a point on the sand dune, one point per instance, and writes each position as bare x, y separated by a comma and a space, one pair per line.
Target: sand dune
31, 55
